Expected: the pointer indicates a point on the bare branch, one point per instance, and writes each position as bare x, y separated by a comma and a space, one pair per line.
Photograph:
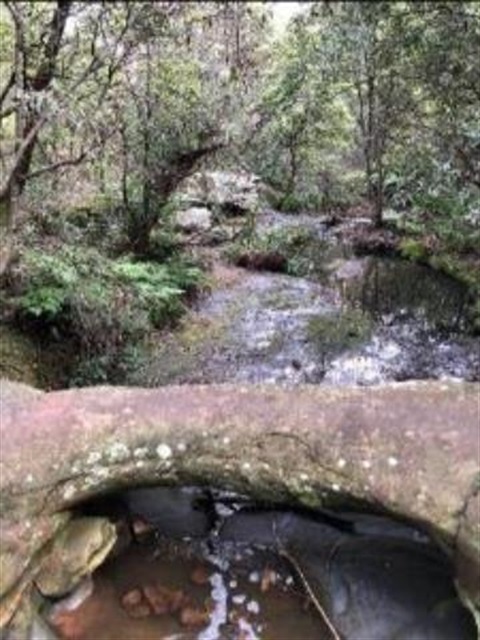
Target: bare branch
20, 155
6, 89
57, 165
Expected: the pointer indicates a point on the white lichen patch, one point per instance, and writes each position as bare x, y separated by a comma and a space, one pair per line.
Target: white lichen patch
90, 482
29, 479
69, 492
366, 464
392, 461
163, 451
93, 458
100, 472
181, 447
140, 452
118, 452
226, 441
341, 463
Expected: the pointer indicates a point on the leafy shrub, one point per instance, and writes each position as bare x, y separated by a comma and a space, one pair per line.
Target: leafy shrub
102, 305
413, 249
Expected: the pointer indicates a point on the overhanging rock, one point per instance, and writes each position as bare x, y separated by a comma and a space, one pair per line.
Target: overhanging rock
412, 449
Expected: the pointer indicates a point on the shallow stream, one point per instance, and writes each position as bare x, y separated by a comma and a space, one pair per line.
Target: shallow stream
351, 321
184, 592
199, 564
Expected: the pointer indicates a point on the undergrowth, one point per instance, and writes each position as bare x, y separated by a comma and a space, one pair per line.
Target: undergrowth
105, 306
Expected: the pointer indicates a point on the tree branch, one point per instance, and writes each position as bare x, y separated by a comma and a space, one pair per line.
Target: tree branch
71, 162
24, 147
6, 89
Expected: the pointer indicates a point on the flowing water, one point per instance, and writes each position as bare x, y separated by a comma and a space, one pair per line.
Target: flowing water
351, 321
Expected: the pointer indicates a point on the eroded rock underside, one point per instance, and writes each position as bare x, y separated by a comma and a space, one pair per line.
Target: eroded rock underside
410, 450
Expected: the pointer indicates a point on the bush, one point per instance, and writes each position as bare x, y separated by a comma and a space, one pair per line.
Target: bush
102, 305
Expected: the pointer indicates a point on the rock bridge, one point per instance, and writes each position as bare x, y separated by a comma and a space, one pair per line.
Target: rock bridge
409, 449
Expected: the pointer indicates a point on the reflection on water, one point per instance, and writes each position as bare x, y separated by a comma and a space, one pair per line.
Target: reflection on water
160, 591
391, 289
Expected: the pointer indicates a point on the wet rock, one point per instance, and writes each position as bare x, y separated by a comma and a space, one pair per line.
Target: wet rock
200, 575
269, 261
370, 585
161, 599
41, 630
174, 512
193, 617
77, 551
136, 605
76, 598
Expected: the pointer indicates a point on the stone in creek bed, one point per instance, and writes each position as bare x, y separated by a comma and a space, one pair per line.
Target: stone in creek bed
134, 604
200, 575
161, 597
194, 616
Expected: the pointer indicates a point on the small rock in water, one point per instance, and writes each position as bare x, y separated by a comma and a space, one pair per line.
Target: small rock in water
164, 600
134, 604
140, 527
194, 617
156, 599
200, 575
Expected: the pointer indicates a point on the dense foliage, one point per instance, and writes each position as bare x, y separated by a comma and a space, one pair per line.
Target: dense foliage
105, 108
378, 100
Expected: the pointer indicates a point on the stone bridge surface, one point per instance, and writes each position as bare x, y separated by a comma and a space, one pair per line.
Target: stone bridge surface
410, 449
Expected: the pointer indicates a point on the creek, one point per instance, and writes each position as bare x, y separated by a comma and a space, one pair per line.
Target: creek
352, 320
206, 565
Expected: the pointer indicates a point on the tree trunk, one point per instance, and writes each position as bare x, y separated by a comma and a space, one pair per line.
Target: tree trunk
378, 201
9, 200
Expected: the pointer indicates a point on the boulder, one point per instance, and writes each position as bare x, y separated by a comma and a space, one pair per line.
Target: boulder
76, 552
408, 450
194, 220
232, 193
